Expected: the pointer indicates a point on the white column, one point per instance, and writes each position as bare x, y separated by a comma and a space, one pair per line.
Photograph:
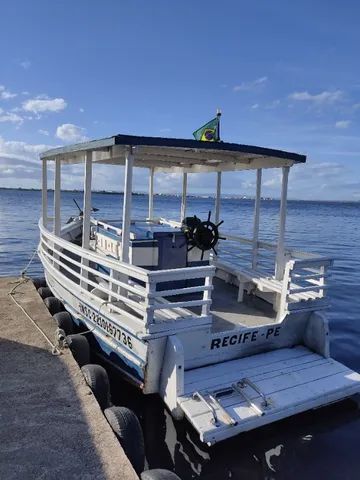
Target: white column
151, 194
57, 197
256, 218
87, 201
126, 219
218, 198
44, 193
183, 197
280, 261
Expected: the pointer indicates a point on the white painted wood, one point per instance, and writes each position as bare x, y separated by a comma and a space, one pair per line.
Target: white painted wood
57, 197
86, 212
294, 380
256, 218
280, 253
183, 197
218, 197
172, 375
151, 193
115, 288
44, 193
126, 218
87, 200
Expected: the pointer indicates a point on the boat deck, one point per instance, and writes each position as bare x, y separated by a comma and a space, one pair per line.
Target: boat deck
228, 313
247, 393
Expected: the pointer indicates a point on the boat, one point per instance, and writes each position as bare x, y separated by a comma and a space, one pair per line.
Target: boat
231, 332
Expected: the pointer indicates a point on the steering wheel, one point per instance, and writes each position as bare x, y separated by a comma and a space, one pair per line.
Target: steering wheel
203, 235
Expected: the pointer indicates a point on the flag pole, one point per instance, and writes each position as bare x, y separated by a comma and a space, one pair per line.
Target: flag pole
218, 114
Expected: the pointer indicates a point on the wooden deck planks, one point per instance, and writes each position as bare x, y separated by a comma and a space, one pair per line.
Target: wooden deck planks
295, 380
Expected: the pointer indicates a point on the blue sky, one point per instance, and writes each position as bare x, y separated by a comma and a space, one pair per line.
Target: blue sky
285, 74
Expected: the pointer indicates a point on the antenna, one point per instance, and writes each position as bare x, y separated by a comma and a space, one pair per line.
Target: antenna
80, 211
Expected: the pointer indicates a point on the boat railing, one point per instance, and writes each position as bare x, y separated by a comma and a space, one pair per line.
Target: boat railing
304, 275
144, 297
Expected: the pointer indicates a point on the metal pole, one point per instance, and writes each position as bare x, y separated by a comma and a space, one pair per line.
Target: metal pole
218, 114
57, 198
87, 201
44, 194
279, 268
126, 219
183, 197
218, 197
151, 194
256, 217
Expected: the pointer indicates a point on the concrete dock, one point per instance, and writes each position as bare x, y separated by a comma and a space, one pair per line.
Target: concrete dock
51, 426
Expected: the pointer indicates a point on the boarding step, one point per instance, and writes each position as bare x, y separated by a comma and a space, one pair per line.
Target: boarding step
231, 397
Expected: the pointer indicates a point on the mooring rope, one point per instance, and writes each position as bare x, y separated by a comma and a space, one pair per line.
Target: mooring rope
55, 350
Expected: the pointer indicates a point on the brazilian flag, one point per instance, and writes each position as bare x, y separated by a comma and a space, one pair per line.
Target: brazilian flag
209, 132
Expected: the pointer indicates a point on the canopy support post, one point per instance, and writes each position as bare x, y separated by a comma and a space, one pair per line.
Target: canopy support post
183, 197
126, 219
87, 201
86, 215
57, 197
151, 194
256, 218
280, 253
218, 197
44, 193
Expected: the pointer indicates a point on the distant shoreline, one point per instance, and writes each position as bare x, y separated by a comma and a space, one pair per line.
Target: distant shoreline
178, 195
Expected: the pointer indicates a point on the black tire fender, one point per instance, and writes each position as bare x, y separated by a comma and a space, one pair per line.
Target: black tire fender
54, 305
64, 322
39, 282
44, 292
127, 428
97, 379
79, 347
159, 474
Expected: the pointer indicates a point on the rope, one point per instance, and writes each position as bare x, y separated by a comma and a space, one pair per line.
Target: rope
23, 272
55, 350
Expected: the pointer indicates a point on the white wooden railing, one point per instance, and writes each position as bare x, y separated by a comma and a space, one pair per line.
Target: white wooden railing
304, 275
139, 294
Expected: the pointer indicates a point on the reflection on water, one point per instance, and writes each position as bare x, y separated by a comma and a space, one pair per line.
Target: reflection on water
314, 445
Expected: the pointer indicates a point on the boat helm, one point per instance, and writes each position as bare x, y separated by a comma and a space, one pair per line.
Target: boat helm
203, 235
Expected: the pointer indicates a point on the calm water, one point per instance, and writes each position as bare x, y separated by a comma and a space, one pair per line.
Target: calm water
318, 444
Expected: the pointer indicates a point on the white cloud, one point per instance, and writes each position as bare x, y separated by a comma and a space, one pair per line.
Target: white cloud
81, 110
252, 85
25, 64
325, 97
10, 117
273, 104
342, 124
69, 132
43, 132
255, 106
40, 104
6, 94
21, 150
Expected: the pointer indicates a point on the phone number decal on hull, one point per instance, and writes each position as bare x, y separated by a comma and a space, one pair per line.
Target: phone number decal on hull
108, 327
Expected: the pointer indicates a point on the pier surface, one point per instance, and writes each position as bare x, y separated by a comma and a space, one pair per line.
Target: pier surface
51, 425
